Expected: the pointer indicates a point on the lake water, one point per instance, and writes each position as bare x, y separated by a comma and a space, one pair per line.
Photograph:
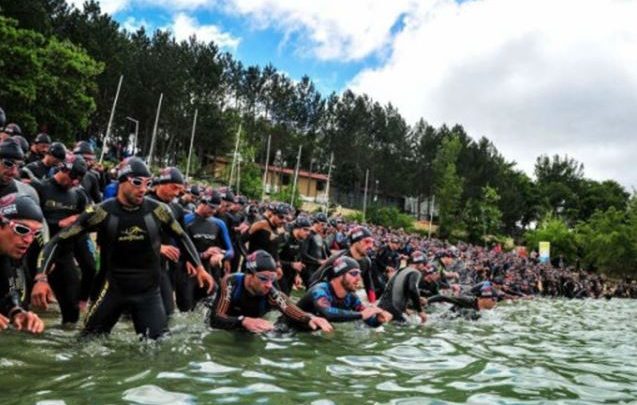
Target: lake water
540, 351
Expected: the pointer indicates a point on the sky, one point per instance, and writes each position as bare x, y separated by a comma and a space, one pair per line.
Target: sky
533, 76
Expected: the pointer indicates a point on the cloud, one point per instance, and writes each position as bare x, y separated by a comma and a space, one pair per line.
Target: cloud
132, 24
534, 76
184, 26
328, 29
107, 6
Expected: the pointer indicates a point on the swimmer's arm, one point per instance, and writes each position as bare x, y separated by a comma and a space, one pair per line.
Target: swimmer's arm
87, 222
287, 307
219, 317
225, 236
325, 309
170, 224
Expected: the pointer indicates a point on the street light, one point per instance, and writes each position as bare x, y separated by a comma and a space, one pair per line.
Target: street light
136, 132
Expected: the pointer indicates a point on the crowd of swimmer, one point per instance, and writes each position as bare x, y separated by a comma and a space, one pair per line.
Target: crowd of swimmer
165, 245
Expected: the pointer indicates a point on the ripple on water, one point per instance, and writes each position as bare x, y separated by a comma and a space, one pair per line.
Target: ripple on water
154, 395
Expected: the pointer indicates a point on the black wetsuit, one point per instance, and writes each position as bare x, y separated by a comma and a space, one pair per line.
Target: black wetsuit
313, 251
39, 170
57, 203
33, 157
234, 300
204, 233
170, 268
130, 240
12, 286
386, 257
290, 252
84, 248
264, 236
402, 289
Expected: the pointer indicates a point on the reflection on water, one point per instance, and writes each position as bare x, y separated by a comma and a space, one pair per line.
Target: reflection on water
523, 352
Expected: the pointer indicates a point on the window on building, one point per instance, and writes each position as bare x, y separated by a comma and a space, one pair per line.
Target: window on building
320, 186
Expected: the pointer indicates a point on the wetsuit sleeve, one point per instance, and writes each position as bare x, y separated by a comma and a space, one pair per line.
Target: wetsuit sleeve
323, 306
225, 236
170, 224
413, 292
368, 282
462, 302
87, 222
306, 249
219, 317
277, 299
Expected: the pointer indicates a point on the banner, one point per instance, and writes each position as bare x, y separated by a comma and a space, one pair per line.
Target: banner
545, 252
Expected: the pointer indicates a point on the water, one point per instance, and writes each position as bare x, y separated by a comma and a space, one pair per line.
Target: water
568, 352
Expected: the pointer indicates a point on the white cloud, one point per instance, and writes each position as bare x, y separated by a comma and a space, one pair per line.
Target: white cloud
131, 24
107, 6
328, 29
184, 26
534, 76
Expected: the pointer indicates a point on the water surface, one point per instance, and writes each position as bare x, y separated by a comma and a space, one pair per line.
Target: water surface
540, 351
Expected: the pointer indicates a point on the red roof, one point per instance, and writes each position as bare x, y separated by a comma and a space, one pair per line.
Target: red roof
276, 169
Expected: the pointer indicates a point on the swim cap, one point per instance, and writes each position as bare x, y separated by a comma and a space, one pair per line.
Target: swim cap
486, 290
76, 165
57, 150
170, 175
319, 217
212, 199
359, 233
260, 260
10, 149
342, 265
226, 194
13, 129
24, 144
42, 138
417, 257
133, 167
301, 222
281, 209
20, 206
83, 148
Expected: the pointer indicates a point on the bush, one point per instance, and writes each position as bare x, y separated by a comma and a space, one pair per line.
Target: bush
553, 229
389, 217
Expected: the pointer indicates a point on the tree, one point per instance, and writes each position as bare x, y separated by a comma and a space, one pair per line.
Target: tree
554, 229
448, 186
46, 82
483, 217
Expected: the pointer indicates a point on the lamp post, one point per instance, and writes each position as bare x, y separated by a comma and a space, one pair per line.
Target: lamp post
136, 133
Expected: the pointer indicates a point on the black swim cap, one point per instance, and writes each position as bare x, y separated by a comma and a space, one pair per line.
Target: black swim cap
302, 222
13, 129
227, 194
417, 257
83, 148
212, 199
359, 233
282, 209
170, 175
134, 167
342, 265
319, 217
22, 141
42, 138
20, 206
10, 149
76, 165
57, 150
260, 260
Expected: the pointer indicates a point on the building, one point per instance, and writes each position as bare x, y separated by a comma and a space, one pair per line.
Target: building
311, 186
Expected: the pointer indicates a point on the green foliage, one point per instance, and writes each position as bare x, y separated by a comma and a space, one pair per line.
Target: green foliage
607, 242
483, 217
285, 195
448, 186
356, 216
555, 230
46, 82
251, 181
389, 217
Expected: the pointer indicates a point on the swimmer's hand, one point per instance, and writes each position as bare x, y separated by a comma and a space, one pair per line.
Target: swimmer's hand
28, 321
42, 294
169, 252
257, 325
203, 278
316, 322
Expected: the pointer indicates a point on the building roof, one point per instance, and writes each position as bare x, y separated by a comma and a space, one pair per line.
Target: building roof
276, 169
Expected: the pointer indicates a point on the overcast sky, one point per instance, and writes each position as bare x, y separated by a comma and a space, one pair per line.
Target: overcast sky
533, 76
